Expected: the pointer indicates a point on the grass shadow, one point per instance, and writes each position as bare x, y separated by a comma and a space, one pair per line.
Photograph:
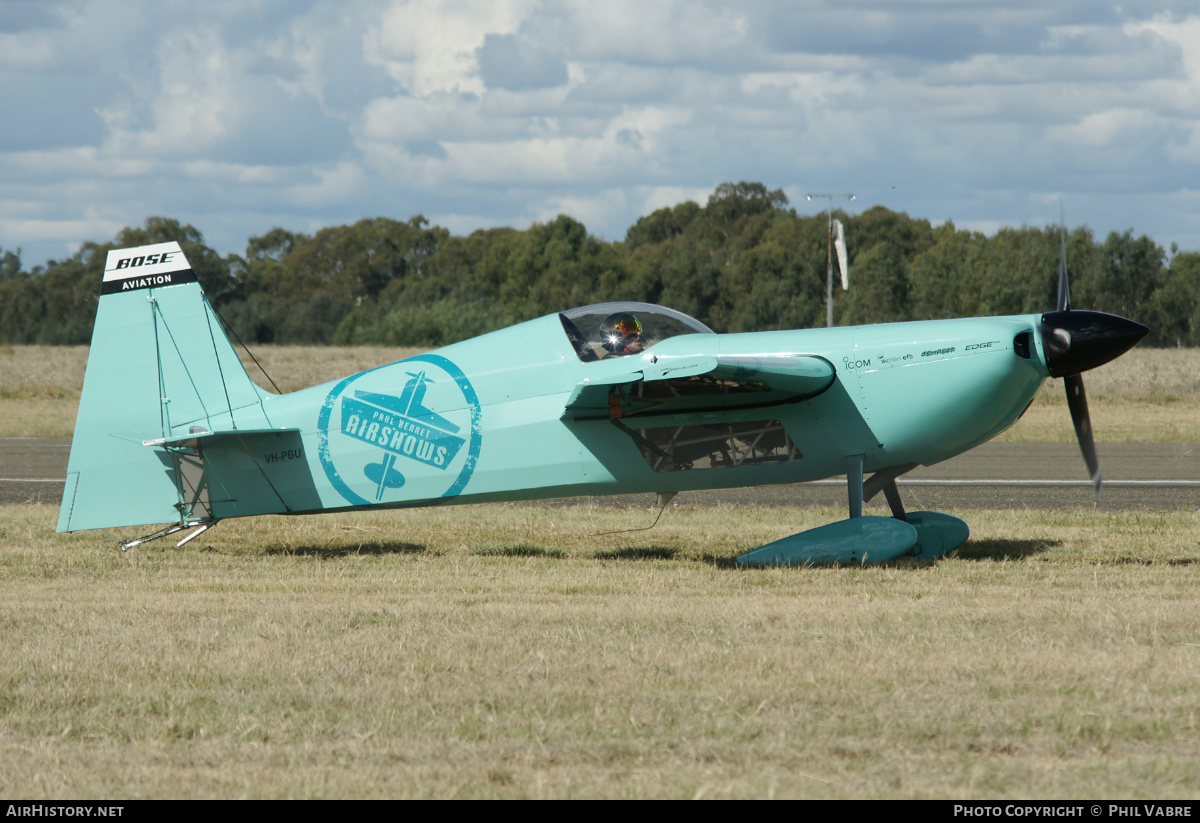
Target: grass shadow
639, 553
1150, 561
519, 550
721, 561
1004, 549
375, 548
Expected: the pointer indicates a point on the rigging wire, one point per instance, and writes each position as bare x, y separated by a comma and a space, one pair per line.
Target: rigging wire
245, 348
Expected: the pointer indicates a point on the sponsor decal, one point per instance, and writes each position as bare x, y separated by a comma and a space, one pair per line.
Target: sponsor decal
899, 358
146, 267
152, 282
979, 346
939, 352
144, 260
374, 435
851, 365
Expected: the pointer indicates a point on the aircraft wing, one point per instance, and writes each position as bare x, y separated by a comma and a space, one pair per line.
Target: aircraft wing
695, 383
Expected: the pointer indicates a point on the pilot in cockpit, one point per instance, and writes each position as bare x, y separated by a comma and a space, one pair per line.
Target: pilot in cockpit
621, 334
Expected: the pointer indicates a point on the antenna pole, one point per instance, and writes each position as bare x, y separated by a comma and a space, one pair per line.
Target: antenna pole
829, 258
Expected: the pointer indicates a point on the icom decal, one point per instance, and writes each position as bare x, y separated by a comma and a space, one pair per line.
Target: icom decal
407, 431
851, 365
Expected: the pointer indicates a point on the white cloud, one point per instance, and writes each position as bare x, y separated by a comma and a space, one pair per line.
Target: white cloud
808, 88
237, 174
663, 33
21, 53
1184, 33
60, 238
1112, 127
464, 224
628, 145
332, 186
600, 208
429, 46
988, 227
1179, 97
653, 198
433, 117
248, 115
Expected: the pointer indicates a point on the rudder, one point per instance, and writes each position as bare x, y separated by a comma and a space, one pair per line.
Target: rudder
160, 366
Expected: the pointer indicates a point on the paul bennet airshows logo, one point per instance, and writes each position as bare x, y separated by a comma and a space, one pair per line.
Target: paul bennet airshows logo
403, 427
378, 445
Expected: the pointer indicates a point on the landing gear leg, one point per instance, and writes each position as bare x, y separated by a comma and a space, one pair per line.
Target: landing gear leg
854, 483
894, 502
126, 545
884, 481
937, 533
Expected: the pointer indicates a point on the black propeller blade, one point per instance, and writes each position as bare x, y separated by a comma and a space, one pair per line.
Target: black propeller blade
1064, 286
1075, 341
1077, 402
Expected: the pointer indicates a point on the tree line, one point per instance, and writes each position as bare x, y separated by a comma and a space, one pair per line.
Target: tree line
744, 261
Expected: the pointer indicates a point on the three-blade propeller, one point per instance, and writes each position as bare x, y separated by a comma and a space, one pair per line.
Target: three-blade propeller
1075, 341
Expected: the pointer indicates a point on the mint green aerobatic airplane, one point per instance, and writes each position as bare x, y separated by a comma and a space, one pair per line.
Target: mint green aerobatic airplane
615, 398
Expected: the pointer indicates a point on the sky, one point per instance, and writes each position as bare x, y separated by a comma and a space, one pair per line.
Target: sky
240, 116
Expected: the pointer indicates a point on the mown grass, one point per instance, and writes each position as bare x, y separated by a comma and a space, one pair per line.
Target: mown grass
1147, 395
519, 652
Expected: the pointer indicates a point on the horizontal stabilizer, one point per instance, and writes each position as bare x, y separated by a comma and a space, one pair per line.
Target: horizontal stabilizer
207, 438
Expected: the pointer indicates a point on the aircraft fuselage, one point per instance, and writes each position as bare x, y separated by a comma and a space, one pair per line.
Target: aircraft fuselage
489, 423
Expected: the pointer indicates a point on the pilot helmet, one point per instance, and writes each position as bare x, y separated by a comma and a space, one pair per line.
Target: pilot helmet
621, 333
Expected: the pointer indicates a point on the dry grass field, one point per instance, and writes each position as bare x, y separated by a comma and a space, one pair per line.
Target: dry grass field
40, 385
508, 651
1147, 395
516, 652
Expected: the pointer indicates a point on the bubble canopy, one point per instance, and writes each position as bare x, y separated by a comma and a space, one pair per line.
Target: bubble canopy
583, 325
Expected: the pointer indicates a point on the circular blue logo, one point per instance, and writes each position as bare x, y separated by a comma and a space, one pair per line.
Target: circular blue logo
407, 431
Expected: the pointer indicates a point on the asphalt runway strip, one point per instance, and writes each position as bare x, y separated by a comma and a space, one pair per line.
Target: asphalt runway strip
1137, 476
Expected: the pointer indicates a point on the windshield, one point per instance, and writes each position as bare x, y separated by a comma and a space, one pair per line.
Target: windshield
606, 330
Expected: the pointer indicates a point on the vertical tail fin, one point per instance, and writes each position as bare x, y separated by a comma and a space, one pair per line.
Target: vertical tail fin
160, 366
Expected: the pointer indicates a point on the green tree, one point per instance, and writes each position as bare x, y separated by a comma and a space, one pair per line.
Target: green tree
1172, 310
936, 275
10, 265
661, 225
1129, 271
879, 291
274, 245
1014, 272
